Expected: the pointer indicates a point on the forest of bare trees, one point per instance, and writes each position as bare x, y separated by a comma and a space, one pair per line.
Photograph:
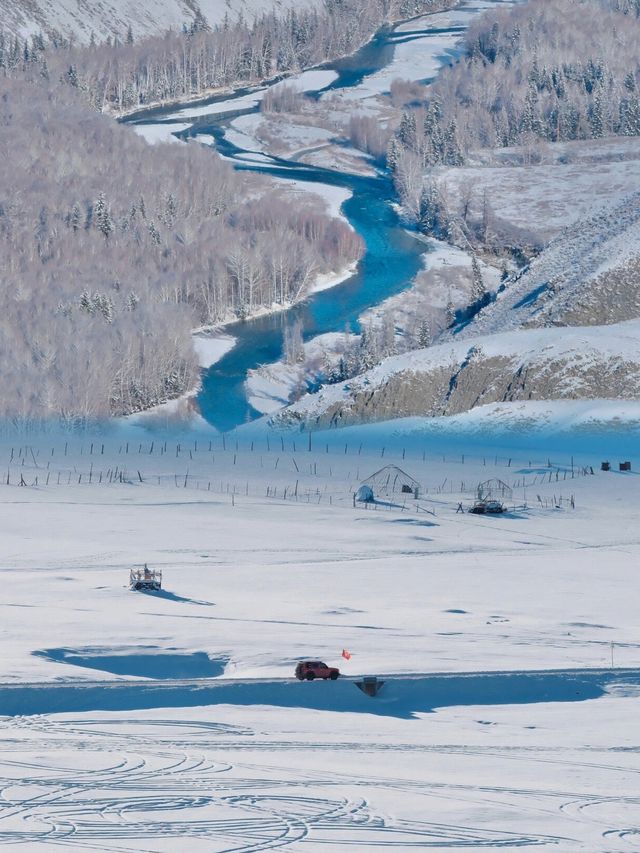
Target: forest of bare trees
551, 70
112, 250
124, 75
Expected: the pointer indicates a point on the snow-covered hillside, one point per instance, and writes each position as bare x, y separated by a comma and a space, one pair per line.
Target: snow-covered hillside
114, 17
533, 195
566, 327
525, 364
588, 275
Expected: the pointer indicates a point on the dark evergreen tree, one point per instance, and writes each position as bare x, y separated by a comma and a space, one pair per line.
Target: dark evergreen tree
478, 289
424, 335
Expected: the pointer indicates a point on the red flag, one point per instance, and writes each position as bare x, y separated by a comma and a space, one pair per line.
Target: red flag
346, 655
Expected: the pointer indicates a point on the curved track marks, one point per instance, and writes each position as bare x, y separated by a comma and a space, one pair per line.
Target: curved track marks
159, 784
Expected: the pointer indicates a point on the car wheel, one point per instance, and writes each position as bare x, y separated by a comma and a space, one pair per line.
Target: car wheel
333, 676
310, 676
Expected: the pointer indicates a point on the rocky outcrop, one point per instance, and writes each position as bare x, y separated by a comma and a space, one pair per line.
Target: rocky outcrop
545, 364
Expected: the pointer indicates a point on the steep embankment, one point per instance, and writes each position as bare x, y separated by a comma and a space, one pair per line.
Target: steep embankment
80, 18
532, 364
589, 275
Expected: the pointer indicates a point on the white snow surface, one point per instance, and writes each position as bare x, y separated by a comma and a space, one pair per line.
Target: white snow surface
155, 133
334, 197
124, 746
296, 137
211, 347
113, 17
572, 181
213, 552
604, 241
325, 281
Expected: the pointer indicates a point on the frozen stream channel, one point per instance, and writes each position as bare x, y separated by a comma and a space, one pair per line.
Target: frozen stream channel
392, 255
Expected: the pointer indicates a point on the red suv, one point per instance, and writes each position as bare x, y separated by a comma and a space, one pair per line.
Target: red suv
307, 670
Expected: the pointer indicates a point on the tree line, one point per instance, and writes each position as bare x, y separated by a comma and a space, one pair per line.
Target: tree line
112, 251
552, 70
123, 75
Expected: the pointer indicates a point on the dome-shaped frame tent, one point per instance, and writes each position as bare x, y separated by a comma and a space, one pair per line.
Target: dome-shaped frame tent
392, 480
492, 490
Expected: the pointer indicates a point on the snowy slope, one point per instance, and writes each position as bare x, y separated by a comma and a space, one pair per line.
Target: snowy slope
535, 201
538, 364
562, 329
587, 275
113, 17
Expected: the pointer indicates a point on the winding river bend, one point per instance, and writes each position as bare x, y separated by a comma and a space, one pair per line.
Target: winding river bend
392, 255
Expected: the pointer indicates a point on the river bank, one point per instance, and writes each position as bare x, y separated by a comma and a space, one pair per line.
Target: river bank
446, 277
209, 96
393, 257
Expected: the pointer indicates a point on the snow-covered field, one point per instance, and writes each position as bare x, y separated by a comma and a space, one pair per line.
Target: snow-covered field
565, 182
120, 744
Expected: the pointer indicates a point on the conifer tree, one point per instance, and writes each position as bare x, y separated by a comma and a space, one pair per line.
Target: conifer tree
424, 335
478, 288
72, 76
450, 313
407, 130
102, 216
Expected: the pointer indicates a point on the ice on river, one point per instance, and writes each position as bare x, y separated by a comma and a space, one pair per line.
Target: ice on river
420, 56
155, 133
210, 347
307, 81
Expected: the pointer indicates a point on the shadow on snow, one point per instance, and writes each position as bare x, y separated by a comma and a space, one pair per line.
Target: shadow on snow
401, 697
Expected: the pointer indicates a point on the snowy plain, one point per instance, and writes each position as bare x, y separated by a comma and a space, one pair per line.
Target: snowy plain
514, 732
565, 182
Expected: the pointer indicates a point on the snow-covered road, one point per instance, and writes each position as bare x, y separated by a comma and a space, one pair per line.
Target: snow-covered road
403, 696
561, 777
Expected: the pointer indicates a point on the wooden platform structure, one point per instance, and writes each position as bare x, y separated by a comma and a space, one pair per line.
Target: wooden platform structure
146, 578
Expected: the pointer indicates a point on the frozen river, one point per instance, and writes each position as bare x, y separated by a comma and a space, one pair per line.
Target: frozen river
392, 256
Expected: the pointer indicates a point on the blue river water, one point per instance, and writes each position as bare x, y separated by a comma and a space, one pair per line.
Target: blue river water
391, 259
